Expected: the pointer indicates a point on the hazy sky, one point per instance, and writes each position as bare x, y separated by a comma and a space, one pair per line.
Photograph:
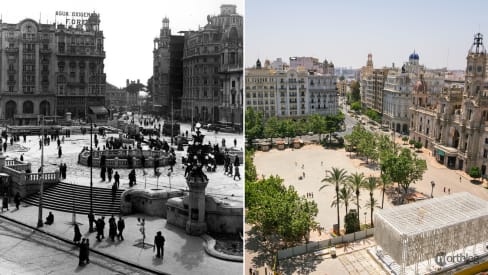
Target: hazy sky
441, 32
129, 27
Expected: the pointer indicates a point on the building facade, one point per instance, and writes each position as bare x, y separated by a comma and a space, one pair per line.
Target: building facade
27, 71
115, 98
167, 84
212, 70
80, 78
291, 93
452, 124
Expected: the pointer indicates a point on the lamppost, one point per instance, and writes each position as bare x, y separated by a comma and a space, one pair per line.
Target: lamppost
41, 178
91, 166
432, 183
365, 213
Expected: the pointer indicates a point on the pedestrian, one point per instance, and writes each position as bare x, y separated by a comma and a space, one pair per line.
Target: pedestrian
77, 237
60, 151
91, 220
103, 170
117, 179
22, 157
459, 179
303, 174
114, 191
159, 245
5, 202
87, 251
82, 256
100, 226
303, 166
17, 200
235, 142
49, 219
5, 146
236, 161
109, 174
112, 231
237, 173
120, 227
449, 191
444, 189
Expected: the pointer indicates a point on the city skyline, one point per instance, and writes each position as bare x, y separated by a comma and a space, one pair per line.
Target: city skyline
441, 32
140, 24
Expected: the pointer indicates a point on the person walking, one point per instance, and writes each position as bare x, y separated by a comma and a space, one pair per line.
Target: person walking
100, 227
114, 191
4, 202
91, 220
120, 227
22, 157
237, 173
77, 237
117, 179
110, 171
60, 152
159, 245
82, 256
112, 231
17, 200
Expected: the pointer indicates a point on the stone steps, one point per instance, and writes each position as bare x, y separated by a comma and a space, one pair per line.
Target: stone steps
64, 197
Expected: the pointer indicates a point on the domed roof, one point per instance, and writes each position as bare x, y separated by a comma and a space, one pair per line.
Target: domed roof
414, 56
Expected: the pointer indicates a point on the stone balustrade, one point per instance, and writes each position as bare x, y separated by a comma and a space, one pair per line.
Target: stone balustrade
119, 158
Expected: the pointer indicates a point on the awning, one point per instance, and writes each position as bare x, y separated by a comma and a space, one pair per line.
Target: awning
99, 110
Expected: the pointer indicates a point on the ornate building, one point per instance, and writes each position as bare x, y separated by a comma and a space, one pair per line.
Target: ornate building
167, 84
212, 70
372, 85
80, 77
291, 93
47, 70
27, 71
452, 123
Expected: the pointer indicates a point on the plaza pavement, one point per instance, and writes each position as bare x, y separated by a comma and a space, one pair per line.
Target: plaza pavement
183, 254
316, 160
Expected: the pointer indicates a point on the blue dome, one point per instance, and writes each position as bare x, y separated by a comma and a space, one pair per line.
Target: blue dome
414, 56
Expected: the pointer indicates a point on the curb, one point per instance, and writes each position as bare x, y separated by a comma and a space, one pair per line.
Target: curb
210, 249
130, 263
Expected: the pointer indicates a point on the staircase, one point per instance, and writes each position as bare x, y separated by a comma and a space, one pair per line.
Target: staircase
63, 196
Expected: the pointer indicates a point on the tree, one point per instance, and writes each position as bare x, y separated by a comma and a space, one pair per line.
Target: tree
316, 124
278, 212
250, 169
356, 106
405, 169
371, 185
372, 203
356, 181
475, 172
404, 139
254, 125
385, 181
271, 128
351, 222
345, 197
411, 142
289, 129
355, 91
337, 177
341, 78
333, 124
418, 145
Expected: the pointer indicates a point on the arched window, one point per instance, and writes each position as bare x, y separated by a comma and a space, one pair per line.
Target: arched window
28, 107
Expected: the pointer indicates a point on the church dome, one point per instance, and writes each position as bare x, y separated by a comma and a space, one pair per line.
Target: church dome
414, 56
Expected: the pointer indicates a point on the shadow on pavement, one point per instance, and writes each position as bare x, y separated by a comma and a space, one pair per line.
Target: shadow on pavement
187, 256
157, 261
266, 251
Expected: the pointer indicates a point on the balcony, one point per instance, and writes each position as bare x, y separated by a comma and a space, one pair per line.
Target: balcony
12, 50
45, 51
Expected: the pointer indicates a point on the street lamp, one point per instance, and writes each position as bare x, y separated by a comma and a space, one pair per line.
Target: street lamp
91, 166
41, 179
365, 213
432, 183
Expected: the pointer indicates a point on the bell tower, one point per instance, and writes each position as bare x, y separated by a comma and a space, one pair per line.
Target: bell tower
476, 68
165, 33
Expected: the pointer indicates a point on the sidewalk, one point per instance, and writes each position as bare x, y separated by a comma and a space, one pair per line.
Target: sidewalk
183, 254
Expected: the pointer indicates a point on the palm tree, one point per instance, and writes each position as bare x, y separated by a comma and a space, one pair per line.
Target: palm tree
356, 182
337, 177
371, 185
345, 196
385, 180
372, 203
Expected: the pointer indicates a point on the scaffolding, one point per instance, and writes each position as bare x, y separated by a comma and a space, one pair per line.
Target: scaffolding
420, 231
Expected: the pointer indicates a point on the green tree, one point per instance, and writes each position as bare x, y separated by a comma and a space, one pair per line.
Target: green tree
254, 125
356, 106
475, 172
316, 124
289, 129
351, 222
345, 198
250, 169
355, 91
405, 169
372, 203
356, 181
271, 128
371, 185
404, 139
418, 145
278, 212
333, 123
385, 181
336, 177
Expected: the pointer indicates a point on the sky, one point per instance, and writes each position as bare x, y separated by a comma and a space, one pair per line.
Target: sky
129, 27
344, 32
